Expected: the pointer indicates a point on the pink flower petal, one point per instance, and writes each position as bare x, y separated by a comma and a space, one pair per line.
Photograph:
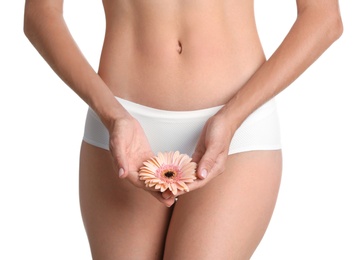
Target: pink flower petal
168, 170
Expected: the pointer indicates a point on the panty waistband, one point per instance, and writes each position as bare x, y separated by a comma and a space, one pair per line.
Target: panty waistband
146, 111
169, 115
180, 130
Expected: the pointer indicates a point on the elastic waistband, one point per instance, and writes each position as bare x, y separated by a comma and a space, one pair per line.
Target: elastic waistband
133, 107
150, 112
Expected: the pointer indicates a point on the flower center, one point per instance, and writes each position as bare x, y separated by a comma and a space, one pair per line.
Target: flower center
169, 174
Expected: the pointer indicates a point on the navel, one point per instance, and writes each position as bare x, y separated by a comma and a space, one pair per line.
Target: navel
179, 47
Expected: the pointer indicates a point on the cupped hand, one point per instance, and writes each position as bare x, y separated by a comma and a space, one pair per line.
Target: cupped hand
211, 152
129, 148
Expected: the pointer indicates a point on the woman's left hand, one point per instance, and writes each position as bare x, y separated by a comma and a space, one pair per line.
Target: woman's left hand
211, 152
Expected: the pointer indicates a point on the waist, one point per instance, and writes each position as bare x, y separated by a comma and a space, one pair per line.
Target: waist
179, 67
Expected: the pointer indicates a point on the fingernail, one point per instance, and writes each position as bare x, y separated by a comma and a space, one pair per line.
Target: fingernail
121, 172
166, 196
168, 206
204, 173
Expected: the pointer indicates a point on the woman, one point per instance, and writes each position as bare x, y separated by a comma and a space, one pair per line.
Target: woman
188, 76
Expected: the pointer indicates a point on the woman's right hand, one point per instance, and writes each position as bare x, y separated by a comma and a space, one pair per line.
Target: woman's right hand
129, 148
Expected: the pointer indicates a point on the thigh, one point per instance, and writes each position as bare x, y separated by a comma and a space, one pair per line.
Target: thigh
121, 221
228, 217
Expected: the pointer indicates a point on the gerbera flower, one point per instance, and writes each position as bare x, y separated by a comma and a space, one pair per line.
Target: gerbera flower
168, 170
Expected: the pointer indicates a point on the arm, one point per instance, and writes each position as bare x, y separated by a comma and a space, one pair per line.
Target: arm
46, 29
317, 26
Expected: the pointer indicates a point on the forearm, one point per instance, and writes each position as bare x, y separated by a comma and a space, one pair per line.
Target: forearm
313, 32
47, 31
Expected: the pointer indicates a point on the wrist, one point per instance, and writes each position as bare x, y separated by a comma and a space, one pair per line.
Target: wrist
231, 117
107, 107
227, 121
110, 113
241, 105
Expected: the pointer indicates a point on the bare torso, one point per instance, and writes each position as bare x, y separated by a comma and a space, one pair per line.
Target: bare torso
180, 54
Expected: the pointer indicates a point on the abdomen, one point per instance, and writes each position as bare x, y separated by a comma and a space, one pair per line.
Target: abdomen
179, 55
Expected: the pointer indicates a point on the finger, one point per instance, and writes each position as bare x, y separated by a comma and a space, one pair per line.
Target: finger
198, 157
206, 163
198, 183
122, 166
133, 177
167, 194
209, 170
120, 160
198, 154
213, 165
167, 202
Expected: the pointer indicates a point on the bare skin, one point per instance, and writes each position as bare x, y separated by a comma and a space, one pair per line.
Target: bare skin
180, 55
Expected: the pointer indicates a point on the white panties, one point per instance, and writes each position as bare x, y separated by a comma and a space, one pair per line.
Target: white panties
180, 130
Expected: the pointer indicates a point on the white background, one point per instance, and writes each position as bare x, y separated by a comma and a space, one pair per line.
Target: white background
41, 124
